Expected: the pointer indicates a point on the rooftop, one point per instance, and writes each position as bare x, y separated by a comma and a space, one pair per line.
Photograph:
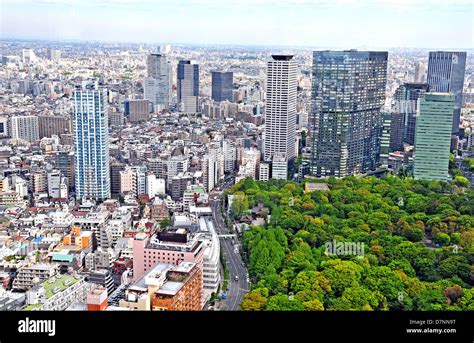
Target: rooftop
60, 282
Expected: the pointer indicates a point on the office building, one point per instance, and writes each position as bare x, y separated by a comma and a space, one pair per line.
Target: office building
188, 86
280, 108
433, 137
222, 86
397, 131
346, 121
91, 142
405, 107
159, 91
446, 74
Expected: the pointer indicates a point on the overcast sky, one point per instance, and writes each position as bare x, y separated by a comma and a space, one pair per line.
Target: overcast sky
313, 23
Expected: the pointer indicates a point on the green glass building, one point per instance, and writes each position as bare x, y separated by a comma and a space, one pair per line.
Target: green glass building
433, 137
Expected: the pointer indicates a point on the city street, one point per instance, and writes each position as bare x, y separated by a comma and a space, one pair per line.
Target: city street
238, 288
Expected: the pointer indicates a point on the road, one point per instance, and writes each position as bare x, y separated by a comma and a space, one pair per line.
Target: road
237, 289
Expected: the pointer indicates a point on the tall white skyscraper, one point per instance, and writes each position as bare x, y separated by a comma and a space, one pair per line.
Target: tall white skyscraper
280, 108
91, 142
157, 86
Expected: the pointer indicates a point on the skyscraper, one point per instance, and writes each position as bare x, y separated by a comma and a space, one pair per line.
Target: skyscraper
420, 72
446, 74
433, 136
188, 86
346, 121
222, 85
158, 89
406, 105
280, 108
91, 142
385, 140
54, 54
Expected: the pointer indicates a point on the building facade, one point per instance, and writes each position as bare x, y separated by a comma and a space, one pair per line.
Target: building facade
345, 124
159, 69
222, 86
91, 143
433, 137
25, 127
446, 74
188, 86
280, 108
405, 107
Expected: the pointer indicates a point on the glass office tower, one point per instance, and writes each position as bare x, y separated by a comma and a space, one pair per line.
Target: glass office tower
406, 104
433, 137
222, 86
446, 74
346, 120
188, 86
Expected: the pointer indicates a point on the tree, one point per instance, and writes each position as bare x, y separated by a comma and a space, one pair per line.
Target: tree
441, 238
356, 298
341, 274
282, 302
453, 294
165, 223
430, 300
313, 305
461, 181
254, 301
455, 265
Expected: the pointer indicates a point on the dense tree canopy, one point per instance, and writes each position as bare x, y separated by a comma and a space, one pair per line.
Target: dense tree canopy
417, 239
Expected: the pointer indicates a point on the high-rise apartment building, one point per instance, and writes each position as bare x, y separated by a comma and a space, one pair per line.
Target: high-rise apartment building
25, 127
91, 142
64, 161
158, 90
54, 54
280, 108
433, 137
222, 86
346, 120
138, 110
406, 105
188, 86
54, 125
446, 74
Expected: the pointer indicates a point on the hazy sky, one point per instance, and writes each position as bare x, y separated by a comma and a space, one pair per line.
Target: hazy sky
330, 23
